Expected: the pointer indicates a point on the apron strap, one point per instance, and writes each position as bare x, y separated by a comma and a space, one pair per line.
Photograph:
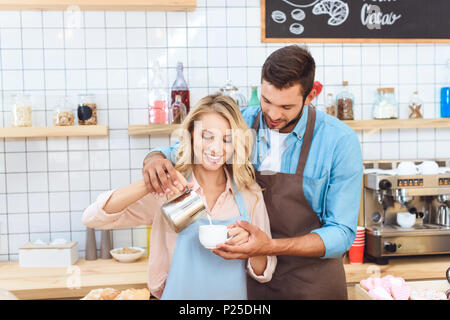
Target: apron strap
240, 203
307, 140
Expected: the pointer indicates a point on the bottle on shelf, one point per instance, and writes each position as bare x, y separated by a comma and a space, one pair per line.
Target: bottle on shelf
344, 102
180, 88
445, 95
330, 106
177, 111
254, 101
157, 98
415, 104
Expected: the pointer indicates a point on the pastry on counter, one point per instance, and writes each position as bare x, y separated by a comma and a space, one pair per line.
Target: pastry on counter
102, 294
134, 294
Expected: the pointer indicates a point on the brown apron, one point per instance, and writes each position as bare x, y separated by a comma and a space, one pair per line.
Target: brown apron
290, 215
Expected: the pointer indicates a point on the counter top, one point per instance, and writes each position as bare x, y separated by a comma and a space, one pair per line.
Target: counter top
74, 281
78, 280
409, 268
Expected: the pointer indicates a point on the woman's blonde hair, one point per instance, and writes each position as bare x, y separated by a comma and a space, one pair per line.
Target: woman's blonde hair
240, 167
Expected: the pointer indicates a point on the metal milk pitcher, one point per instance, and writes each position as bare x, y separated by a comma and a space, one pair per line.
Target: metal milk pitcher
183, 210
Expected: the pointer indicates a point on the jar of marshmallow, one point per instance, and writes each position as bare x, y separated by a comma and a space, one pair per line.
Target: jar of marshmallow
385, 106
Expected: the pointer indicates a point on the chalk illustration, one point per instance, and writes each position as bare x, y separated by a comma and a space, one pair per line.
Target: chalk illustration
309, 4
278, 16
296, 28
338, 11
298, 14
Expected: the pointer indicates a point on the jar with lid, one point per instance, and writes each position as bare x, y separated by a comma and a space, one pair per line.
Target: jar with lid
385, 106
177, 111
230, 90
415, 104
21, 111
330, 106
63, 113
344, 102
87, 109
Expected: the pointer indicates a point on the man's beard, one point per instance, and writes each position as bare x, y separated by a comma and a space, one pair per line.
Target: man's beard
293, 121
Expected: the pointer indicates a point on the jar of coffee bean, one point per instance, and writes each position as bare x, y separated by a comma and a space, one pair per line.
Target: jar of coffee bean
87, 110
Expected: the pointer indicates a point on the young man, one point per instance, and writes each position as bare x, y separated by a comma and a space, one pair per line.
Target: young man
312, 193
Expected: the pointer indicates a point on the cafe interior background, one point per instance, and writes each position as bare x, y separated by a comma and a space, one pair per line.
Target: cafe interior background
47, 182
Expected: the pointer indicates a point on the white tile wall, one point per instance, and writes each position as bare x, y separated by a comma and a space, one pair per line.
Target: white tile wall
45, 184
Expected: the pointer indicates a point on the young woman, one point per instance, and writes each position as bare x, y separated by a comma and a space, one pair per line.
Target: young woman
214, 158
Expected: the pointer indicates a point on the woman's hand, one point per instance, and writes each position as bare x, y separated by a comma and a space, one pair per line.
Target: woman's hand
240, 235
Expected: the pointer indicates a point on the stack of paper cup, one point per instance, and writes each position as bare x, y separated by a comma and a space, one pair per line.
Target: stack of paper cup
356, 252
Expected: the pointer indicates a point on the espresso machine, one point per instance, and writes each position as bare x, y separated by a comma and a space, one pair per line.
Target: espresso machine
426, 197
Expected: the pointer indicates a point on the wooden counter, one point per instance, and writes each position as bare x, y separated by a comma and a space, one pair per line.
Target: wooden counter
59, 283
73, 282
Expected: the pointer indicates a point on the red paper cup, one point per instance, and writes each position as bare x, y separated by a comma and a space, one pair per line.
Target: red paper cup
356, 254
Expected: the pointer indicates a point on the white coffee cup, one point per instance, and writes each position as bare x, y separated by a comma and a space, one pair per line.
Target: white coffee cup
211, 235
406, 219
428, 167
406, 168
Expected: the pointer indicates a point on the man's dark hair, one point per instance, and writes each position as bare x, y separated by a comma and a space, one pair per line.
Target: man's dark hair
288, 66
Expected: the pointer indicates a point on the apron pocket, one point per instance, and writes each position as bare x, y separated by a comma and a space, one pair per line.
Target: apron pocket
314, 190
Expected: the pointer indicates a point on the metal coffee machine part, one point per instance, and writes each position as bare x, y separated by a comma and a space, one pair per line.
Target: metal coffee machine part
424, 196
184, 209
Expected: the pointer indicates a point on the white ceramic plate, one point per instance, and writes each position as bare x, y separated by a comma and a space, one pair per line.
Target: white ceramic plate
127, 257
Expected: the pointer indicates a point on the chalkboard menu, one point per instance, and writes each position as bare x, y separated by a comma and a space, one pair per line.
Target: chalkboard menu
355, 20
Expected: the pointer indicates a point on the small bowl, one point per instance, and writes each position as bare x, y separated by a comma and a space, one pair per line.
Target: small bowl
127, 257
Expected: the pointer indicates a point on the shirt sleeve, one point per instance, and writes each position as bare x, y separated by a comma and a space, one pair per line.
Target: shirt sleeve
169, 152
340, 217
260, 218
138, 213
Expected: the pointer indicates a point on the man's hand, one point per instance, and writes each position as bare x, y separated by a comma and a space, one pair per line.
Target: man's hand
161, 177
257, 244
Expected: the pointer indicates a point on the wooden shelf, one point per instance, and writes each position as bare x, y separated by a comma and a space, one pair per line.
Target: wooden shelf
62, 131
371, 125
142, 130
100, 5
398, 124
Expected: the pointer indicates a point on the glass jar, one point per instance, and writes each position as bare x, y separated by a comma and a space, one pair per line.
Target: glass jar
344, 102
158, 98
177, 111
21, 111
87, 109
330, 106
415, 104
63, 113
385, 106
230, 90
